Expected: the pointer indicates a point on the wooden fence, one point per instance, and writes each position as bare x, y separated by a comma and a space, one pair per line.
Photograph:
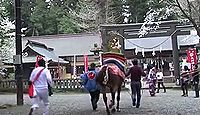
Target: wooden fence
59, 85
62, 84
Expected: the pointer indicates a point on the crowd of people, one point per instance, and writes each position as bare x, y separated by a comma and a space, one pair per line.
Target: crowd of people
42, 80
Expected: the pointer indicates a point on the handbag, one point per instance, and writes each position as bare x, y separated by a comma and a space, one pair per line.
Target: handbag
31, 89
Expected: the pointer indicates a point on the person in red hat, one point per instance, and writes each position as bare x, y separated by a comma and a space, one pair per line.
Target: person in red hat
40, 77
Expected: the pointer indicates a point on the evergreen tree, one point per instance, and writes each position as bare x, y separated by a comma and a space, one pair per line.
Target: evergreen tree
44, 17
115, 11
136, 10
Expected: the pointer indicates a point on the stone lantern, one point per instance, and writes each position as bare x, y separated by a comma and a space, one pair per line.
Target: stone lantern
97, 55
96, 50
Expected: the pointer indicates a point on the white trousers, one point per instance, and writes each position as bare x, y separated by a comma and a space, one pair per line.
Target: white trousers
42, 95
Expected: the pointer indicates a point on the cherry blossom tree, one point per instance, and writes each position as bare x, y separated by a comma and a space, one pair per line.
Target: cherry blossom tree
189, 9
183, 10
6, 36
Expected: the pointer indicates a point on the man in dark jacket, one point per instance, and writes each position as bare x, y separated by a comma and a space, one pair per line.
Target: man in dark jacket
89, 82
195, 75
136, 72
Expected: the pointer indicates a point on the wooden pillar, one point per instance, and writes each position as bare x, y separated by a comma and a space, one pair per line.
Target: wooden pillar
18, 43
121, 40
175, 53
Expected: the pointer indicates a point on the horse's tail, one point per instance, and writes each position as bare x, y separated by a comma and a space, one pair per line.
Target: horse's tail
100, 75
106, 77
107, 71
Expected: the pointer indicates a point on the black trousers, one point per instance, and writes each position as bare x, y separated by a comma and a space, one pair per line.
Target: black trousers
160, 82
196, 89
184, 87
94, 98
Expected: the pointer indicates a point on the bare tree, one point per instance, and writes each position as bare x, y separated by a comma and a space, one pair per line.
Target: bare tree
190, 9
183, 9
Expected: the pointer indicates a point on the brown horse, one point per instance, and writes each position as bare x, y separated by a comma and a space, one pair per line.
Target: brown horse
110, 79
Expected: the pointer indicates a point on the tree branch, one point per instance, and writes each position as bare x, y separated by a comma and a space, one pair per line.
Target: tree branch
190, 18
195, 8
189, 8
184, 13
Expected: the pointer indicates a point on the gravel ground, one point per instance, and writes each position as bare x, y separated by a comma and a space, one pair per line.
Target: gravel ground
170, 103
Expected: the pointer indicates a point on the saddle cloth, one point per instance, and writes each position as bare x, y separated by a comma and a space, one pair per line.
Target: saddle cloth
116, 71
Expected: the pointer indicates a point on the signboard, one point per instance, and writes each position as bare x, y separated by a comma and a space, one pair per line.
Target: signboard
192, 56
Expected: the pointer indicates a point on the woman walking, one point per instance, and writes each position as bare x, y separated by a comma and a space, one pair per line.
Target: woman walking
184, 81
195, 75
159, 76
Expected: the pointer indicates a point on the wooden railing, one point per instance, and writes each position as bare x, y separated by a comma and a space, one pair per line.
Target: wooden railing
8, 84
67, 84
62, 84
59, 85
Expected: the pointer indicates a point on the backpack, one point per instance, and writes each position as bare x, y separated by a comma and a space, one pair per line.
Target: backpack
90, 82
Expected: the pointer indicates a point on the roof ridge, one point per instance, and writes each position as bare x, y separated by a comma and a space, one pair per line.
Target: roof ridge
61, 36
34, 43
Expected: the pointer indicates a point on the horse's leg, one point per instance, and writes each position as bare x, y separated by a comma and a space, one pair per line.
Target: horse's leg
113, 102
105, 101
118, 98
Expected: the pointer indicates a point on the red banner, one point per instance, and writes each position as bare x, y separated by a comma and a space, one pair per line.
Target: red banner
86, 63
192, 56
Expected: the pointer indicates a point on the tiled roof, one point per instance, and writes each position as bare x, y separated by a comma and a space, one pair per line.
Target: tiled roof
68, 45
43, 50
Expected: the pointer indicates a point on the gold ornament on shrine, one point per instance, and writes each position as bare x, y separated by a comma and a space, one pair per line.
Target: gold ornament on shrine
114, 45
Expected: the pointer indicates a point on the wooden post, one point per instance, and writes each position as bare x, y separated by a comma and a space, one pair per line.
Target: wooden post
104, 39
121, 41
175, 53
18, 70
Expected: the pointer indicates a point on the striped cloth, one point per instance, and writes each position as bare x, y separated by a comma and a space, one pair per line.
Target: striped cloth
114, 58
